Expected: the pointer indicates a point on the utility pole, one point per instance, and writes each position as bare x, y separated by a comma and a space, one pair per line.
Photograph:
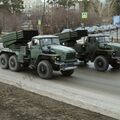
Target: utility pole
85, 9
43, 16
67, 13
85, 2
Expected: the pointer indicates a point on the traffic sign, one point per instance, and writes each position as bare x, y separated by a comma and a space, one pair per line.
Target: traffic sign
84, 15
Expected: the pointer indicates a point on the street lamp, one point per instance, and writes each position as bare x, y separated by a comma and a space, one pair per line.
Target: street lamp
67, 4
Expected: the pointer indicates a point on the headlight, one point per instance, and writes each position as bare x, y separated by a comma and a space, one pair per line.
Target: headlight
57, 58
76, 55
113, 54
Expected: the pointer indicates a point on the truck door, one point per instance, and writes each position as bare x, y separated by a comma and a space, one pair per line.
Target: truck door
91, 46
35, 49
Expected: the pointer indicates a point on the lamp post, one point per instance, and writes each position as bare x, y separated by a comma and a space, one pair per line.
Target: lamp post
84, 3
43, 17
67, 4
85, 9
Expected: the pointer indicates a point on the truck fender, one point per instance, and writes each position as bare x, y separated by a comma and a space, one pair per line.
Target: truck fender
99, 53
43, 57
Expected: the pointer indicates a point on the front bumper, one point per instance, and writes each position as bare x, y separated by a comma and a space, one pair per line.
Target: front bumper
117, 59
68, 65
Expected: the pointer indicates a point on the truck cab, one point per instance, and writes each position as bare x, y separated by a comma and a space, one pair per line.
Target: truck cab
93, 44
46, 49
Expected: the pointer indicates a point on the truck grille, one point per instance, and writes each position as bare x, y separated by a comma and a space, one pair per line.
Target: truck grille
70, 56
117, 51
117, 54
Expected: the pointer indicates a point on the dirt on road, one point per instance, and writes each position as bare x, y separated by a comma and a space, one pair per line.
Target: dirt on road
18, 104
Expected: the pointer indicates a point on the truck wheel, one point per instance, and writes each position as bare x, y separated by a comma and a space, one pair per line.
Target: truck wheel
13, 64
101, 63
67, 72
4, 61
45, 69
115, 65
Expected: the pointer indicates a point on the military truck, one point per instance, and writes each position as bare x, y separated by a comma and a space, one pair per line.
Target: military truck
97, 48
42, 52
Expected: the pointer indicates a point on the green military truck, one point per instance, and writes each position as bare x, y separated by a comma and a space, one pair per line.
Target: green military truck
42, 52
97, 48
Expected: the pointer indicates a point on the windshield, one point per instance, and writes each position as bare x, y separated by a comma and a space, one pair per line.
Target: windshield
50, 41
103, 39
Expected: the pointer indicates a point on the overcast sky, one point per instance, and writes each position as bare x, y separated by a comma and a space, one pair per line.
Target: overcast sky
102, 0
36, 1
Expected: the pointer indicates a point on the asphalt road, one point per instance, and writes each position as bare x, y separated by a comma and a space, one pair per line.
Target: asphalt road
87, 78
87, 88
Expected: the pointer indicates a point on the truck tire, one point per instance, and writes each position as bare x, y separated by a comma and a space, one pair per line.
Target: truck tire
67, 72
13, 64
4, 58
101, 63
45, 69
115, 65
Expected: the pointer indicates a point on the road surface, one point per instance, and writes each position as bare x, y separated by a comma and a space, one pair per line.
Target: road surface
87, 88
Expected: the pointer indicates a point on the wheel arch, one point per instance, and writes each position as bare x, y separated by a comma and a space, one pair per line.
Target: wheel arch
100, 53
43, 57
8, 53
